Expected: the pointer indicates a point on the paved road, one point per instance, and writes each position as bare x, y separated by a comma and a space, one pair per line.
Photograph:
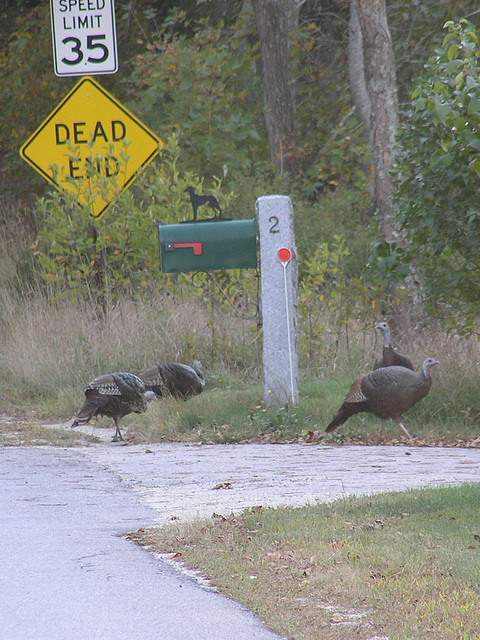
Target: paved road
67, 573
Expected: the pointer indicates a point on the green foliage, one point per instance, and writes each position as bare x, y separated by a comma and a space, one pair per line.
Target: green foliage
195, 71
198, 77
77, 256
160, 190
26, 70
327, 290
345, 160
416, 29
342, 211
320, 289
202, 87
438, 175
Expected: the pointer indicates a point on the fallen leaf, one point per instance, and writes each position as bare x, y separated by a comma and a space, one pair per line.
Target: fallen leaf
276, 556
223, 485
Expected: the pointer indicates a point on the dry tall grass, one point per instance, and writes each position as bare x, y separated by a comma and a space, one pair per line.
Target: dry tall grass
47, 347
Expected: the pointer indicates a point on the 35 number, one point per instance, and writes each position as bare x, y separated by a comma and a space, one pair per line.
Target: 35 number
92, 43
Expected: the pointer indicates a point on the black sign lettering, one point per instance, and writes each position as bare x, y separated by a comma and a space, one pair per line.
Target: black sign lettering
119, 130
91, 167
99, 132
82, 5
74, 168
62, 134
78, 132
112, 167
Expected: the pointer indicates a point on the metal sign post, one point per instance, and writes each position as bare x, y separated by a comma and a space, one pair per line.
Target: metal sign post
279, 275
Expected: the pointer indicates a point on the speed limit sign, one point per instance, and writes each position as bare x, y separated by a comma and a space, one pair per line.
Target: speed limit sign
84, 38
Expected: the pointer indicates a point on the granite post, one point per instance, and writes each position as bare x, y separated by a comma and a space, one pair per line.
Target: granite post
279, 299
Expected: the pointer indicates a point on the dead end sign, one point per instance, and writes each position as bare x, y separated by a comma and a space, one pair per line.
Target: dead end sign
91, 146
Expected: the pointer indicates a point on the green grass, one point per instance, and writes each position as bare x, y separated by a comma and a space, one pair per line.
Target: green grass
402, 565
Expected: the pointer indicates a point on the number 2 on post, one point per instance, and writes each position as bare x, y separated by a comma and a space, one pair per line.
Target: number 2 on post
274, 224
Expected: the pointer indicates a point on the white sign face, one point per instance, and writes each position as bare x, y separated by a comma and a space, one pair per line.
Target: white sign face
84, 37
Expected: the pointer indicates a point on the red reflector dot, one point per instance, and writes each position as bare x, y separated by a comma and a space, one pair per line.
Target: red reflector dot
284, 254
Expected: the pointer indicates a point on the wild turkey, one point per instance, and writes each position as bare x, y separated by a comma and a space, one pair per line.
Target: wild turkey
114, 395
177, 379
390, 357
387, 393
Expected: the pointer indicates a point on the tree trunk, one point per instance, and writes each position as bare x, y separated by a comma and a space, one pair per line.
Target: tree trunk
275, 20
356, 69
380, 80
382, 90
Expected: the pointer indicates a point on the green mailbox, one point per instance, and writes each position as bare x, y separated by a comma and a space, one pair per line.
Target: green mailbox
208, 245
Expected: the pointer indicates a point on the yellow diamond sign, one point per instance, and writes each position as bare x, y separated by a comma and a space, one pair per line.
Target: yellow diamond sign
91, 146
